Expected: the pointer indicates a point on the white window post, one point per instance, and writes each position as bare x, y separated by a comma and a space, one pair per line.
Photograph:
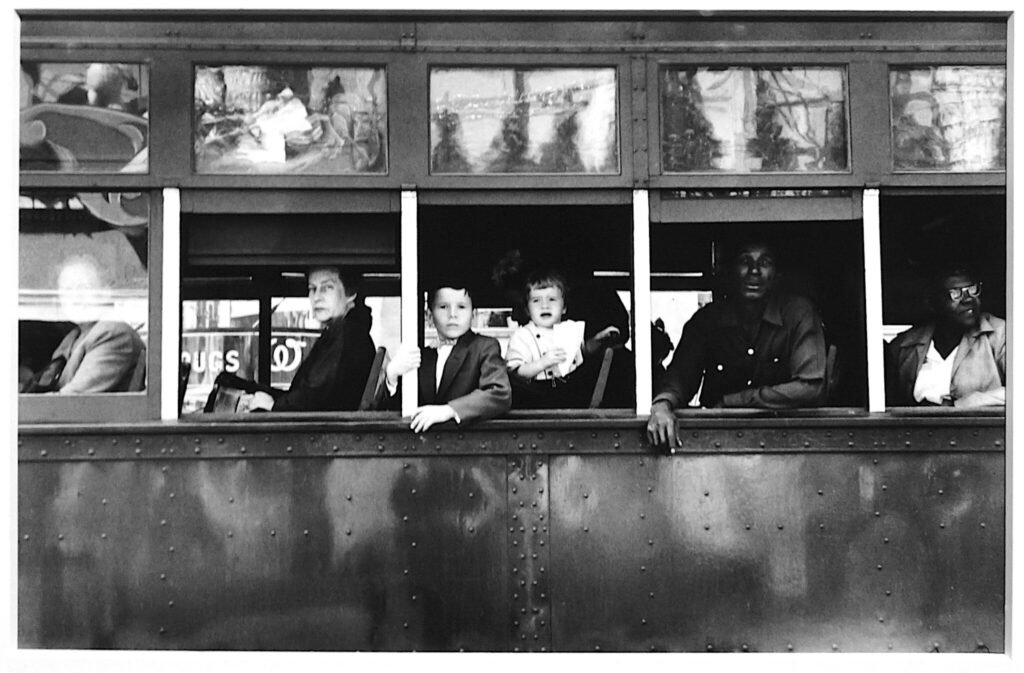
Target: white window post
873, 300
412, 310
642, 299
171, 312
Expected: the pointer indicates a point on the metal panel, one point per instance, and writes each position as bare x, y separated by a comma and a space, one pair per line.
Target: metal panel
328, 554
778, 553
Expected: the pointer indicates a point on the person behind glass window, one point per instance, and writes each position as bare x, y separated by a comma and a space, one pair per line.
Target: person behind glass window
956, 359
332, 376
758, 347
464, 378
99, 355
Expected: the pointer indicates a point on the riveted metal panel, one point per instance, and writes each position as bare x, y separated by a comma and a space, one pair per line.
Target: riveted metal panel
844, 552
264, 554
529, 553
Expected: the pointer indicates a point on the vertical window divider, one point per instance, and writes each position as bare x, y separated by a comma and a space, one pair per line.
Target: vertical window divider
411, 312
873, 300
170, 334
642, 299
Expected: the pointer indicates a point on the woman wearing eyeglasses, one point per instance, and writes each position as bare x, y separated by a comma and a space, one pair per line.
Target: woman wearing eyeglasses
958, 358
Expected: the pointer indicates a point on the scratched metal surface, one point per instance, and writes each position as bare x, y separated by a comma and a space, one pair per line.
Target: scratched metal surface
813, 552
350, 554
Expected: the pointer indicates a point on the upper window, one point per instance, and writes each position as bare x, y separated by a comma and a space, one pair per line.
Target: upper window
948, 118
281, 120
84, 117
523, 120
753, 120
83, 293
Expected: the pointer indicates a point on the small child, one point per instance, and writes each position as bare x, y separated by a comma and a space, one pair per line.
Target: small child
464, 378
534, 350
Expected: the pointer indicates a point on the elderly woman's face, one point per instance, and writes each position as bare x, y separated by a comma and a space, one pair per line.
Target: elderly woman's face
960, 301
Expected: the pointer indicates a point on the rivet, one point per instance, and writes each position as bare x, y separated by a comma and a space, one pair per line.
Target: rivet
942, 525
650, 594
380, 438
780, 526
162, 630
850, 444
67, 442
650, 543
103, 501
348, 531
471, 494
572, 445
875, 460
26, 536
380, 447
163, 576
405, 625
542, 569
834, 647
305, 532
617, 445
103, 536
413, 597
877, 514
220, 440
541, 517
533, 556
718, 445
710, 647
288, 449
643, 569
821, 526
707, 493
138, 452
413, 491
879, 566
586, 495
541, 543
906, 443
170, 549
405, 571
642, 515
414, 544
91, 452
982, 524
744, 647
60, 536
707, 527
515, 597
164, 467
230, 534
334, 448
885, 487
348, 497
197, 450
807, 444
170, 604
273, 533
747, 526
461, 436
885, 540
650, 489
114, 442
540, 435
643, 622
641, 463
761, 444
163, 522
889, 645
171, 496
586, 529
941, 492
242, 449
231, 499
821, 492
998, 443
881, 620
437, 447
43, 453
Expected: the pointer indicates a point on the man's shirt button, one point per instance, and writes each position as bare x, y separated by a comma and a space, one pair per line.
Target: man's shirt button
750, 351
719, 367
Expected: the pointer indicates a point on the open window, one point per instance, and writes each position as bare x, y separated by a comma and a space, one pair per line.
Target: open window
496, 248
924, 235
245, 305
817, 240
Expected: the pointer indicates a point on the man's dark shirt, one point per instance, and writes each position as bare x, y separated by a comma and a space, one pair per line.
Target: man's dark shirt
782, 368
333, 375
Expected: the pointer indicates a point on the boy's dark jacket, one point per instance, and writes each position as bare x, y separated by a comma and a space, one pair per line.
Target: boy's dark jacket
474, 382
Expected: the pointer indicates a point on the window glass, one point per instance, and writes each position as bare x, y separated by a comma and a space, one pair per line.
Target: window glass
83, 292
516, 120
280, 120
84, 117
949, 118
751, 120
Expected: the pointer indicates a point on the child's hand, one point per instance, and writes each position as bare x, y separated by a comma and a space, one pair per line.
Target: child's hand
404, 360
428, 415
553, 357
607, 334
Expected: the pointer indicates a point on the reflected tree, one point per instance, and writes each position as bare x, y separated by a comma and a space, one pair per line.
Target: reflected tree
688, 141
777, 152
448, 155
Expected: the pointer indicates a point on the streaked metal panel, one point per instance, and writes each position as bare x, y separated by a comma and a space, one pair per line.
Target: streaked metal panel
264, 554
848, 552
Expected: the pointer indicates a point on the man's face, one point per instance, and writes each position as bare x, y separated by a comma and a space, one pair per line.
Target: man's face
452, 312
327, 296
754, 272
965, 310
546, 306
81, 292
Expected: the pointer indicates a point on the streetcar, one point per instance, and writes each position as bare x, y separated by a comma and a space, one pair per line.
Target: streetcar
205, 160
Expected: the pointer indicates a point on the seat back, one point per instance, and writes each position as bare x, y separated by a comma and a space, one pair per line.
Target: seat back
831, 375
373, 393
602, 378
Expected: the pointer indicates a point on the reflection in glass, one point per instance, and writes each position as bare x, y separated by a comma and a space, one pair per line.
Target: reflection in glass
753, 120
949, 118
504, 120
83, 292
277, 120
84, 117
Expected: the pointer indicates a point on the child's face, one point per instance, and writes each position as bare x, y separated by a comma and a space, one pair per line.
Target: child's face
452, 312
545, 305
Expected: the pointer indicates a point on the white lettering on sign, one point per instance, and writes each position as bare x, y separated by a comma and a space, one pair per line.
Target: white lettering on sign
215, 361
286, 356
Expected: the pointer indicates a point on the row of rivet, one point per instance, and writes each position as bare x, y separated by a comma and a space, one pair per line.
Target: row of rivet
528, 530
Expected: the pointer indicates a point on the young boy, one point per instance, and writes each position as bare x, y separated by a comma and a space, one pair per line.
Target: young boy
540, 351
464, 378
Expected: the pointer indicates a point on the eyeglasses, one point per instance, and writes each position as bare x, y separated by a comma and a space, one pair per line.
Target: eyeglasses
958, 293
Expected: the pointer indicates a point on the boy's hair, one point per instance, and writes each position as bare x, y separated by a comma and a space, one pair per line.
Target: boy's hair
352, 280
546, 278
453, 283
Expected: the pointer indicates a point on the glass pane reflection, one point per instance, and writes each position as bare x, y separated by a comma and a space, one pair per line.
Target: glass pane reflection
276, 120
949, 118
504, 120
753, 120
83, 298
84, 117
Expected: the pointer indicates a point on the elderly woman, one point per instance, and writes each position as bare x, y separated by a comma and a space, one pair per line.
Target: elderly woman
958, 358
